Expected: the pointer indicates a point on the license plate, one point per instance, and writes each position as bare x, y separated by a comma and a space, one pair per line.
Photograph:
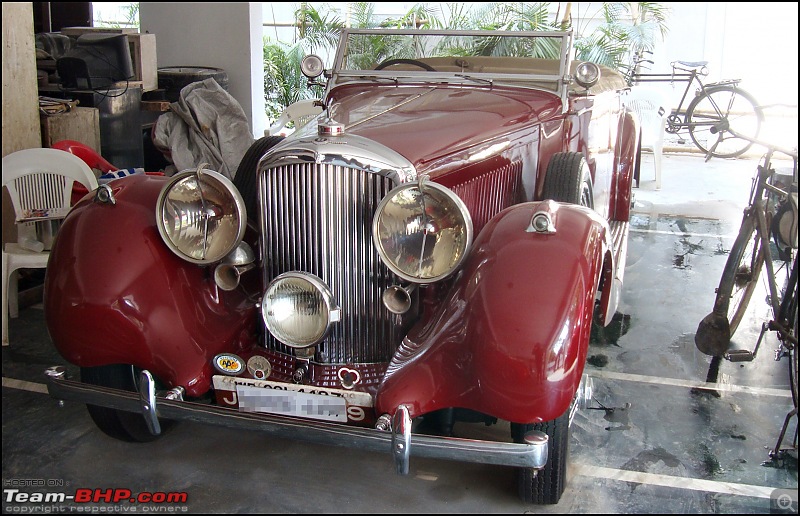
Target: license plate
291, 403
304, 401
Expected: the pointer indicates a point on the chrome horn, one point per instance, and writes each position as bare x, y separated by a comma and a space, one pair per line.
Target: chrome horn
398, 299
228, 273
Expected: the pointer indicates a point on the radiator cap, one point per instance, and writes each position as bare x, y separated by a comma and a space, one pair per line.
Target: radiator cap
330, 128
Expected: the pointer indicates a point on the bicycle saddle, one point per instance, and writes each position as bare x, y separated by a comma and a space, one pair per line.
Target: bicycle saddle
691, 64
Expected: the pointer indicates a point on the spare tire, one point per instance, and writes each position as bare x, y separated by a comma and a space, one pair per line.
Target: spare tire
172, 79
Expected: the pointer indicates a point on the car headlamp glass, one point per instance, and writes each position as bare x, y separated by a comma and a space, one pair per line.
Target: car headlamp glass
298, 309
587, 74
201, 215
422, 231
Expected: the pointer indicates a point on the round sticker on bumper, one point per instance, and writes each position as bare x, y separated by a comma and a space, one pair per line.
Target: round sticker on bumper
227, 363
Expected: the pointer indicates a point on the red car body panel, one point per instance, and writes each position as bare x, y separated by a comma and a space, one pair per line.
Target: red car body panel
428, 124
511, 337
115, 294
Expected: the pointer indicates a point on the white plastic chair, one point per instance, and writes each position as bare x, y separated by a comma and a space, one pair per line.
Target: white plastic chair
652, 110
301, 113
39, 182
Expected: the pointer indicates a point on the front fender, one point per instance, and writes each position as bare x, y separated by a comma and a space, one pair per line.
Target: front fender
511, 338
114, 293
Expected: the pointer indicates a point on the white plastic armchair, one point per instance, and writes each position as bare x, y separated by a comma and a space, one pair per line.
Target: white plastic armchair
39, 183
301, 112
652, 111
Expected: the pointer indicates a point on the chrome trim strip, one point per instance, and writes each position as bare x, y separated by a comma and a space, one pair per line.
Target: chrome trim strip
349, 151
319, 432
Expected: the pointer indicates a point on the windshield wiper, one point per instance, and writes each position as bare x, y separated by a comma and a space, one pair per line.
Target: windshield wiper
476, 79
376, 78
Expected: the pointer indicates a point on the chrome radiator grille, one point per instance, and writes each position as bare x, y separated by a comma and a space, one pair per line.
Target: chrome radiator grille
318, 219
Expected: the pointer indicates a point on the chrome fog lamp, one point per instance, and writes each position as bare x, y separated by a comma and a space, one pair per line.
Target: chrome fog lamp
422, 231
200, 215
587, 74
298, 309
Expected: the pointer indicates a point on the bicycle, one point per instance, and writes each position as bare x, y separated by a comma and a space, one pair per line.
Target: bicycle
723, 105
770, 219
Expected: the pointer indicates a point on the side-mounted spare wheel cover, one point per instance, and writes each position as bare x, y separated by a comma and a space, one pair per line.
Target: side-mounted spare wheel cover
201, 215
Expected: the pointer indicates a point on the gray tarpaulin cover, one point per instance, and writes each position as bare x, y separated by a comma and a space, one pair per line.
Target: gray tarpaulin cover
206, 125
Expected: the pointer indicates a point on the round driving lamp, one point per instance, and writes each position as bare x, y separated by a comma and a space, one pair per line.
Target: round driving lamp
422, 231
587, 74
200, 215
311, 66
298, 309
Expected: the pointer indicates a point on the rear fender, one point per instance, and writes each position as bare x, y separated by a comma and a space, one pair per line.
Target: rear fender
511, 338
114, 293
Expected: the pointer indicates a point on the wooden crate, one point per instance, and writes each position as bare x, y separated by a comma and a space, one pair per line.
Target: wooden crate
81, 124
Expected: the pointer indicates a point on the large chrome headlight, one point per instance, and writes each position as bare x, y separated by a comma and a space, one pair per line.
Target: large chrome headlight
422, 231
298, 309
201, 215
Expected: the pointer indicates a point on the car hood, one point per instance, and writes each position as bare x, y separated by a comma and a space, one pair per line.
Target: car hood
427, 123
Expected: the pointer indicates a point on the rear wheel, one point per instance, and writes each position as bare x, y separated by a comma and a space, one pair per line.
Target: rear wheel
545, 486
711, 115
568, 179
125, 426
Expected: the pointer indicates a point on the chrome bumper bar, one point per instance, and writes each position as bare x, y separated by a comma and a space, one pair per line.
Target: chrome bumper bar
399, 441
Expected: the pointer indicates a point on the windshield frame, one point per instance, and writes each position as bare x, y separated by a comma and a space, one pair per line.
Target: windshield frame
556, 83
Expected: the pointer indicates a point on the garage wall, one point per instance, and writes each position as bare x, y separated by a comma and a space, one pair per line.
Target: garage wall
221, 35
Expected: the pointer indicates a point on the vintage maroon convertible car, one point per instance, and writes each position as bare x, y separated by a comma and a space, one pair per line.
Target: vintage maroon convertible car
432, 249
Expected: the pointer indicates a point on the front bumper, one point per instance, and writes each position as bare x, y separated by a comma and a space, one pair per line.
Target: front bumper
397, 440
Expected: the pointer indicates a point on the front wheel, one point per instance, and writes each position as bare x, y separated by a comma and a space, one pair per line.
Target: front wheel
741, 273
788, 317
713, 114
125, 426
568, 179
736, 287
545, 486
793, 359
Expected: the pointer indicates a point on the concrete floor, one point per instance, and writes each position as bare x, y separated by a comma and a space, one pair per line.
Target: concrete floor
652, 443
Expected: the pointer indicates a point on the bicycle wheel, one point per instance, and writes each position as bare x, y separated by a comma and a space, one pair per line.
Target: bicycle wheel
788, 317
745, 262
793, 357
739, 280
712, 114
